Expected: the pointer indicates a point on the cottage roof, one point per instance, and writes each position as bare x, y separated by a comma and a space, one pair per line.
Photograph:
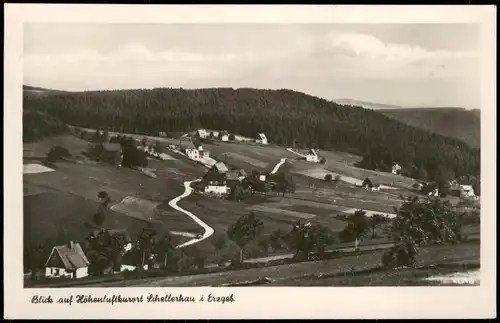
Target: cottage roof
312, 152
221, 167
72, 257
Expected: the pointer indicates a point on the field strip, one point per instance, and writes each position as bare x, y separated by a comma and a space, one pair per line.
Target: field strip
277, 166
173, 204
296, 153
295, 214
248, 160
370, 212
183, 234
35, 169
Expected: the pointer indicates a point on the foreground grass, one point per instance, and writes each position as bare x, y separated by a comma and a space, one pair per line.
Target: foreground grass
293, 274
380, 277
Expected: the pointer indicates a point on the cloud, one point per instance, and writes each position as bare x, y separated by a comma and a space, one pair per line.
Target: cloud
310, 62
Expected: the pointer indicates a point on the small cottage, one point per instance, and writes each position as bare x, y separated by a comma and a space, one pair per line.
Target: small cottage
462, 191
224, 135
67, 261
193, 153
262, 139
312, 156
396, 169
367, 184
215, 179
202, 133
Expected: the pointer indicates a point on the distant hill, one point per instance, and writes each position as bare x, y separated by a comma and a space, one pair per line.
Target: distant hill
366, 105
458, 123
39, 91
287, 118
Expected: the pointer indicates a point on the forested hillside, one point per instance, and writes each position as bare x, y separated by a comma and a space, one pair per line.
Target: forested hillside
456, 123
38, 125
286, 116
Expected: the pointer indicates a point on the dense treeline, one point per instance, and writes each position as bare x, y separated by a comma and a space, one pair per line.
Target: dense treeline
287, 117
38, 125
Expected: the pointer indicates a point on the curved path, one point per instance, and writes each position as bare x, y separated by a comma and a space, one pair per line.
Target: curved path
173, 203
277, 166
208, 230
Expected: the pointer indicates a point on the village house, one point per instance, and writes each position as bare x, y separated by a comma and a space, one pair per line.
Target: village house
396, 169
224, 135
67, 261
201, 133
162, 134
262, 139
193, 153
312, 156
262, 178
462, 190
215, 179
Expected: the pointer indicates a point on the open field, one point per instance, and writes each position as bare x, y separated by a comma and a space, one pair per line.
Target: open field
62, 216
40, 148
82, 181
301, 274
137, 208
35, 169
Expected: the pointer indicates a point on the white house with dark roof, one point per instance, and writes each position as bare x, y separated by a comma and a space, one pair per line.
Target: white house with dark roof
67, 261
312, 156
396, 169
202, 133
215, 179
262, 139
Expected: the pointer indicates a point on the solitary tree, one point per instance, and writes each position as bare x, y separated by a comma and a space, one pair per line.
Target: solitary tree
421, 222
244, 230
165, 247
336, 180
306, 238
356, 228
376, 221
218, 242
328, 177
231, 137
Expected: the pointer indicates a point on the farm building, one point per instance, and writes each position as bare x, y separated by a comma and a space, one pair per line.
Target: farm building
193, 153
262, 178
224, 135
107, 152
396, 169
67, 261
201, 133
215, 179
262, 139
462, 191
162, 134
367, 183
312, 156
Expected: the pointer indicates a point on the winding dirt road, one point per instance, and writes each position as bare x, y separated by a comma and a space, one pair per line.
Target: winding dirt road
173, 203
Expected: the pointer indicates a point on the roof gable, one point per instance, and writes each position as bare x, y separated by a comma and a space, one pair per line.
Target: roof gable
312, 152
72, 258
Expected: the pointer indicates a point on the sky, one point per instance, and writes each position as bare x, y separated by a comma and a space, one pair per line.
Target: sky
412, 65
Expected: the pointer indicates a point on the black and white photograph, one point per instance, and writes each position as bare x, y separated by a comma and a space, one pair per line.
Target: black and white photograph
232, 154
